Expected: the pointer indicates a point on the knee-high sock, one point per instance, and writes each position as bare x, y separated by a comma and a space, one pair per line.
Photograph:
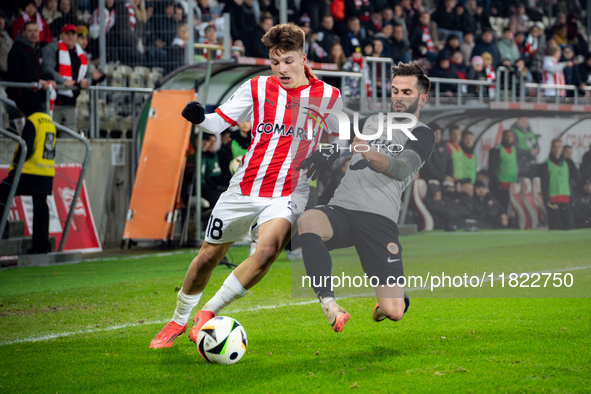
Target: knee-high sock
230, 291
318, 263
184, 305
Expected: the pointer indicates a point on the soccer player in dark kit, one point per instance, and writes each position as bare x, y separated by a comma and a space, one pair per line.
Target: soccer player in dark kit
365, 208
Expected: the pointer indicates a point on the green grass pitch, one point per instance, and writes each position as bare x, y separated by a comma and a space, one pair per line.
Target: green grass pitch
86, 327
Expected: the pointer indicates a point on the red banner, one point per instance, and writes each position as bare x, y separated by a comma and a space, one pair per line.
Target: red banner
82, 235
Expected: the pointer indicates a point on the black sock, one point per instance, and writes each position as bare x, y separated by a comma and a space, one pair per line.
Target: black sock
318, 263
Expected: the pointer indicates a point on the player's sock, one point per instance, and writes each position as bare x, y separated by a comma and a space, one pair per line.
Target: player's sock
325, 301
230, 291
184, 305
318, 264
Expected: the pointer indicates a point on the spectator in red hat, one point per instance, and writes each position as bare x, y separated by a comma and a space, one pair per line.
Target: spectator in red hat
30, 13
66, 60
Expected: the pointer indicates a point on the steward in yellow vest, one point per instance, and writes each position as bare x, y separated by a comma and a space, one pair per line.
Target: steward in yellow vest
36, 179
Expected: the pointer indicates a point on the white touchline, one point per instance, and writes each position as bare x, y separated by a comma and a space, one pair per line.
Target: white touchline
256, 308
121, 326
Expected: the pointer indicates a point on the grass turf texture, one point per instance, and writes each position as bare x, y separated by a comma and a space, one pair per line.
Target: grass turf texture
86, 327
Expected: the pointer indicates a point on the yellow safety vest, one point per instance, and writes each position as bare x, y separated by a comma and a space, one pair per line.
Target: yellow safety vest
42, 159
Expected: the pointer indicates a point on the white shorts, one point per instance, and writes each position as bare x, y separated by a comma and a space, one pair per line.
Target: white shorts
237, 217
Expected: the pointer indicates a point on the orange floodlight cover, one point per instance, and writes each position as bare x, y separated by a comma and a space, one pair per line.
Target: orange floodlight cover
160, 168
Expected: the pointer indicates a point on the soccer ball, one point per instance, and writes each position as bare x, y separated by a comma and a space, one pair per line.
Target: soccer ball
222, 340
235, 163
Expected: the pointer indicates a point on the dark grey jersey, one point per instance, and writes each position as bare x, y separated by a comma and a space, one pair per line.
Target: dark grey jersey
365, 189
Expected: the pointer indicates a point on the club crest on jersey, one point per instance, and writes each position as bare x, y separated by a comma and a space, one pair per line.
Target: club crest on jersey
392, 248
292, 105
317, 116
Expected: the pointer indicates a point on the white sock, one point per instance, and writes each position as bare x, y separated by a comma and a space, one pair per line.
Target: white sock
184, 305
326, 300
230, 291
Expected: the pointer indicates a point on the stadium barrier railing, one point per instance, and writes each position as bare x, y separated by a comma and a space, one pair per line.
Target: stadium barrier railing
17, 175
79, 182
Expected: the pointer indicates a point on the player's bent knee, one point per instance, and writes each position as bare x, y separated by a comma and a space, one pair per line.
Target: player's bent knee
266, 254
208, 257
313, 221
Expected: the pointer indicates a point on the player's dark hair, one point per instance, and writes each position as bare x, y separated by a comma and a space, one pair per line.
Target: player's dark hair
454, 127
284, 38
466, 132
412, 69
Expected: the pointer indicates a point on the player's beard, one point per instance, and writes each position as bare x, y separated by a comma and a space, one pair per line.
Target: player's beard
410, 109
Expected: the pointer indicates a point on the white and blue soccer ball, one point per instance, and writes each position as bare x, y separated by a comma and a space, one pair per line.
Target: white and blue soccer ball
222, 340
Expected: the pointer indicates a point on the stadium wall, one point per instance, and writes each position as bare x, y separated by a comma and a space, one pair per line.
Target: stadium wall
108, 181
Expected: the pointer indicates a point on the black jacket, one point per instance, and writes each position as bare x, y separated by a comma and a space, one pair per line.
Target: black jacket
583, 211
438, 72
255, 47
24, 65
586, 166
439, 165
328, 39
446, 20
416, 40
489, 209
491, 48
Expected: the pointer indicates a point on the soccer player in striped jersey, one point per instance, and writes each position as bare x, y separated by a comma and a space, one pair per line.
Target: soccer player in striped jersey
268, 193
365, 207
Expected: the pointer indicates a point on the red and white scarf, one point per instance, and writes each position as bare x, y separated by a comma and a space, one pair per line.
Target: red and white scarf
218, 52
131, 12
65, 65
38, 19
109, 19
491, 76
556, 78
427, 38
531, 45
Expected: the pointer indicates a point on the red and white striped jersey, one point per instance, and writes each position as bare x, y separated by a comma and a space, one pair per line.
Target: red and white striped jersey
280, 120
552, 74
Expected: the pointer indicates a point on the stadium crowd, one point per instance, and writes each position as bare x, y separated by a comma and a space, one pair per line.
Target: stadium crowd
461, 196
450, 38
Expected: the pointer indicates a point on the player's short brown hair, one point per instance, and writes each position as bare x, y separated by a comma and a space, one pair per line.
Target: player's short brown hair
283, 38
412, 69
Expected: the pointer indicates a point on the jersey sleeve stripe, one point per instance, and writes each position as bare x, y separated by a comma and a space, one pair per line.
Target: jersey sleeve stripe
225, 117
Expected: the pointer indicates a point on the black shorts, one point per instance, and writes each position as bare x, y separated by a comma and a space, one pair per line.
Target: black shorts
375, 238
